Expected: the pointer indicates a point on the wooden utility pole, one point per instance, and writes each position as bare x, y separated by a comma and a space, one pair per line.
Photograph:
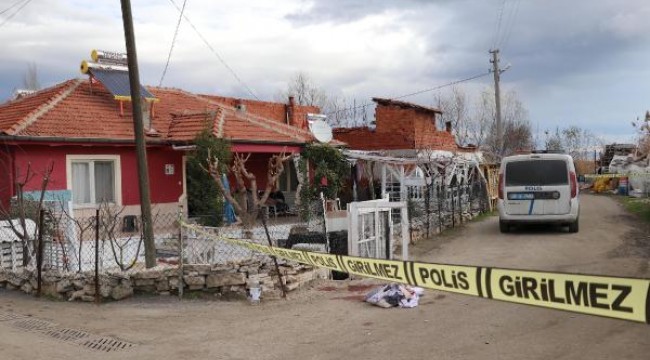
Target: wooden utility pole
497, 98
138, 129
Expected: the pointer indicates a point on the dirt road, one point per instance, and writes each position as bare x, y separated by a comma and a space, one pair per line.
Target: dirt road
329, 322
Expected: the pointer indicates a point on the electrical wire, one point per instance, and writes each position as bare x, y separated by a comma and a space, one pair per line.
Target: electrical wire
223, 62
171, 48
510, 24
416, 92
497, 28
11, 7
15, 12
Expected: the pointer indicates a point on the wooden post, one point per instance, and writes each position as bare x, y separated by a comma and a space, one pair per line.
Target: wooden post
275, 260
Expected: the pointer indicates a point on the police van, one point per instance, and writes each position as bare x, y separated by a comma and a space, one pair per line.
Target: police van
538, 188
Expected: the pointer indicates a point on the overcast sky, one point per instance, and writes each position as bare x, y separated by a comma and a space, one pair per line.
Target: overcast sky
581, 62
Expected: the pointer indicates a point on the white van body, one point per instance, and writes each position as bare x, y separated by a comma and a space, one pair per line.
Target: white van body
538, 188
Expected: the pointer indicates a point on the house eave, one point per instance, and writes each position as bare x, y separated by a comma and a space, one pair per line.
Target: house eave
73, 140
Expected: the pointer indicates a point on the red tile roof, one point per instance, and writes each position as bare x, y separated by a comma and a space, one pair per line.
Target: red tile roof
75, 109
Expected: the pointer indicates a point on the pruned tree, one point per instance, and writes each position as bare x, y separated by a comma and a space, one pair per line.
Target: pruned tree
82, 226
246, 205
23, 209
110, 220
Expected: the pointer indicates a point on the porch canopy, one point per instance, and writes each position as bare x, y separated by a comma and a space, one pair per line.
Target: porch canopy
415, 169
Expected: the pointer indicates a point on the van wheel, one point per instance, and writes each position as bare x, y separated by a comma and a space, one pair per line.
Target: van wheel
503, 226
573, 227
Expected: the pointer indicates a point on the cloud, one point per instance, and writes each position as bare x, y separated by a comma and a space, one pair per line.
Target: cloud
581, 61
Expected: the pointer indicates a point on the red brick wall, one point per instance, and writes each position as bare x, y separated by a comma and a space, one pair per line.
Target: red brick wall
398, 128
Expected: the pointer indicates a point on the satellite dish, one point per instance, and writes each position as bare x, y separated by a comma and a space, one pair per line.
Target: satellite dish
319, 128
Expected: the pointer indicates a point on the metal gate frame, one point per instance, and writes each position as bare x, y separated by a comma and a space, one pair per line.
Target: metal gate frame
356, 209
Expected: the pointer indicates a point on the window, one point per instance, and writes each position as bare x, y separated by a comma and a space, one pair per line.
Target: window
93, 179
537, 172
288, 179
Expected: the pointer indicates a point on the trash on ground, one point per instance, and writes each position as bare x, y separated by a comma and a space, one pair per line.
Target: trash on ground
393, 295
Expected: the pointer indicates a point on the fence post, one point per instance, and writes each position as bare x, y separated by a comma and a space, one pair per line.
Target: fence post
439, 201
453, 206
460, 203
180, 251
97, 294
39, 254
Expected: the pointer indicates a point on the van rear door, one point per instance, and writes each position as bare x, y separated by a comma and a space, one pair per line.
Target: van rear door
537, 186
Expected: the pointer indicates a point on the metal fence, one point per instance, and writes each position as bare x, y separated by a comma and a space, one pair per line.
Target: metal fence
437, 207
111, 241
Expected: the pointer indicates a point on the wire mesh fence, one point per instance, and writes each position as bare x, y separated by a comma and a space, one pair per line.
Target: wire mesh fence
111, 241
438, 207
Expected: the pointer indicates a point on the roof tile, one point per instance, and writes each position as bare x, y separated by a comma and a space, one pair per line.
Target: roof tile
79, 109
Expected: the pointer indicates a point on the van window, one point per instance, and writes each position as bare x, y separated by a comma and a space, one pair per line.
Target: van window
536, 172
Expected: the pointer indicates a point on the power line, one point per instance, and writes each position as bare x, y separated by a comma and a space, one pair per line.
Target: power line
417, 92
223, 62
15, 12
510, 24
171, 48
11, 7
497, 28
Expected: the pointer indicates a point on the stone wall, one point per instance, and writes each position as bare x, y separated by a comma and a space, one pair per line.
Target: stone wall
228, 280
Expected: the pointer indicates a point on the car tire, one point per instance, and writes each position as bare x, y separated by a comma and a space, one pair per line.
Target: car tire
504, 227
574, 227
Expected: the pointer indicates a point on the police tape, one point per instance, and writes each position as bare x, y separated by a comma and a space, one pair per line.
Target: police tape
607, 296
633, 175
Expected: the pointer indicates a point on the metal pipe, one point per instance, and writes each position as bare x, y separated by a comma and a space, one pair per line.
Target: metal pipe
97, 296
39, 253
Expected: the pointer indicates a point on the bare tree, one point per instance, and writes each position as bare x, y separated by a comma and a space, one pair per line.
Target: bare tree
306, 92
573, 140
342, 112
82, 226
111, 217
455, 109
517, 128
24, 209
30, 80
643, 130
481, 119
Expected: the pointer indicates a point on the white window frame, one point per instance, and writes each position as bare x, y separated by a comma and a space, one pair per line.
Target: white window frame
117, 172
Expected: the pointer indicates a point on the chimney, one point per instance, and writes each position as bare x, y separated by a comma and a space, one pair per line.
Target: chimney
448, 126
291, 113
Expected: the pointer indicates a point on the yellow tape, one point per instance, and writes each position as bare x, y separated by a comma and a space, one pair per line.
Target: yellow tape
596, 295
637, 174
613, 297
